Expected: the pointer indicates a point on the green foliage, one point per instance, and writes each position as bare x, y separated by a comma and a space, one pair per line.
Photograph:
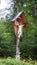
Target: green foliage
10, 61
7, 38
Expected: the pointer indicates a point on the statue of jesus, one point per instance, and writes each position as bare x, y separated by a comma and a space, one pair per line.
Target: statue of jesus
20, 27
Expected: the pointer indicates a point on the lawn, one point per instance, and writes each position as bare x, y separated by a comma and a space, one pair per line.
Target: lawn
11, 61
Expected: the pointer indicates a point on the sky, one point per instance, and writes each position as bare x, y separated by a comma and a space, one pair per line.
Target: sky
5, 7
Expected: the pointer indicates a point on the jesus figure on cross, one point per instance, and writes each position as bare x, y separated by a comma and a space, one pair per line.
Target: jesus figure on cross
20, 27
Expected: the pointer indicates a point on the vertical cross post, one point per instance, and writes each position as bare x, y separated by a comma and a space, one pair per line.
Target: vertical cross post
19, 34
17, 49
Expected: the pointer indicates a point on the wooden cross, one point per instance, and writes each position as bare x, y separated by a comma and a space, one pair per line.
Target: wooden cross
19, 23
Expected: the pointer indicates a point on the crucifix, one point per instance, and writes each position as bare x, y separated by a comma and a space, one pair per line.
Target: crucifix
19, 22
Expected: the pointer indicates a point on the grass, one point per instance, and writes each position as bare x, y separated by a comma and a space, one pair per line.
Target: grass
11, 61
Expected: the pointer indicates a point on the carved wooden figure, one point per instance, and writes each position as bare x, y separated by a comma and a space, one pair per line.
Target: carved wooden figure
19, 23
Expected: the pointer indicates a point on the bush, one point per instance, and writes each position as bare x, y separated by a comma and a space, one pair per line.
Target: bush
11, 61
